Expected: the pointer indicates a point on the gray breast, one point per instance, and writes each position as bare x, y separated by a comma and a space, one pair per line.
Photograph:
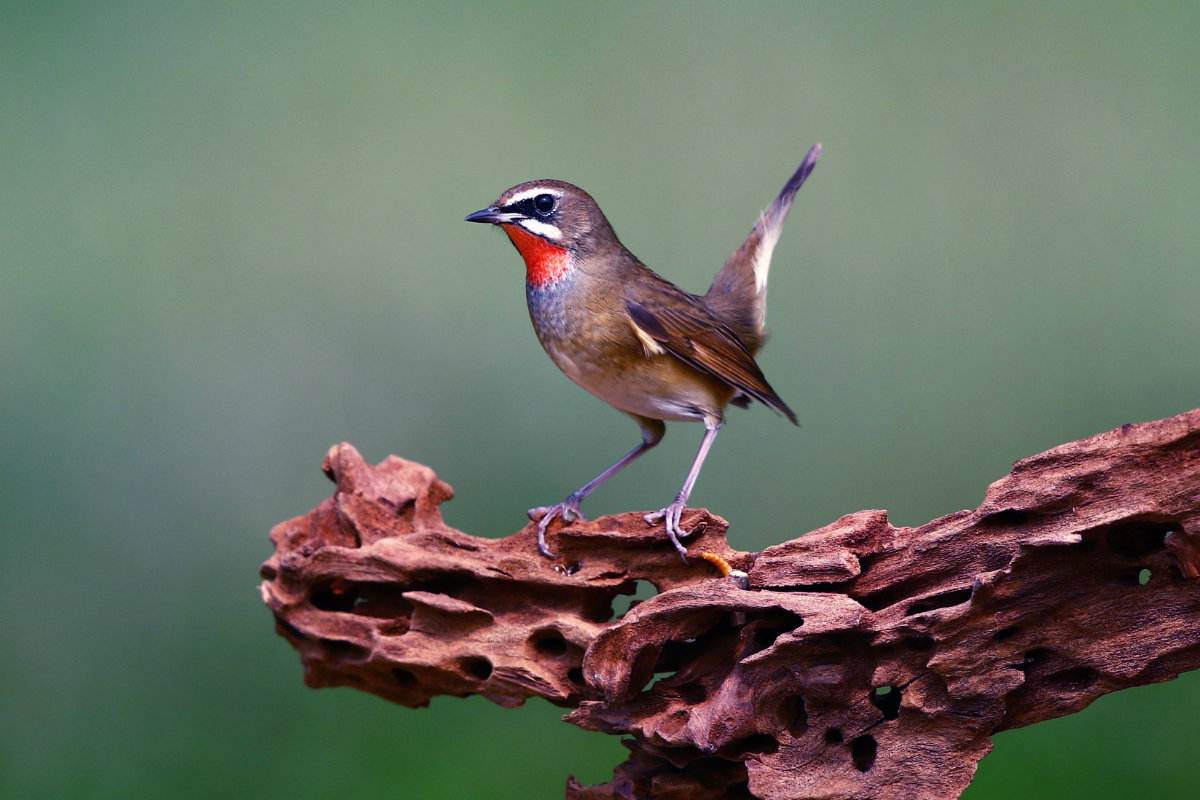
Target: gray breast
548, 309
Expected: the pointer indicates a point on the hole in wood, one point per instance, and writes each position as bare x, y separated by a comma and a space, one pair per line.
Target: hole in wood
768, 630
833, 735
862, 752
401, 507
653, 664
661, 677
549, 642
383, 600
1033, 658
337, 650
1075, 679
1136, 538
946, 599
477, 667
1005, 633
642, 590
1009, 517
919, 644
794, 715
754, 743
334, 595
887, 700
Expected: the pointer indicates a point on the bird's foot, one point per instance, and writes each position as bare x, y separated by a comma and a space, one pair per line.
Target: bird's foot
568, 510
669, 516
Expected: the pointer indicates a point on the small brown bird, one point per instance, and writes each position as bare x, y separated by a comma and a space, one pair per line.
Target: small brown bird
633, 338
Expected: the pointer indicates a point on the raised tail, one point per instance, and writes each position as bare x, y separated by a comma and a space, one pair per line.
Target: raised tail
739, 292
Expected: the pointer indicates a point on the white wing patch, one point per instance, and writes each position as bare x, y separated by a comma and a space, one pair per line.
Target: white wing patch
651, 347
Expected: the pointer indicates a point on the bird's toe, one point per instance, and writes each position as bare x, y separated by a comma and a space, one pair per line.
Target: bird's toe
568, 511
670, 517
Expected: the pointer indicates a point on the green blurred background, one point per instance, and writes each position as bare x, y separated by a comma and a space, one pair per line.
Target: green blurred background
230, 236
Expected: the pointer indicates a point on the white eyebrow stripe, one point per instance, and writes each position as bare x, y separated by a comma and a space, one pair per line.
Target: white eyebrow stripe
540, 228
534, 192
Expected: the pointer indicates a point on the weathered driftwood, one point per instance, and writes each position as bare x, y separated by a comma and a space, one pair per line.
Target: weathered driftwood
863, 661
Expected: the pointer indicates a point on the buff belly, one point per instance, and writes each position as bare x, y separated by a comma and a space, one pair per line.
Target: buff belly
659, 387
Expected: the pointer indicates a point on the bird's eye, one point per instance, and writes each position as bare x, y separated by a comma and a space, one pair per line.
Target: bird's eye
543, 204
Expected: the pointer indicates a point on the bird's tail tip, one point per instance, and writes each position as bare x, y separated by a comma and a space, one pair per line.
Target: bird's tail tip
799, 176
785, 409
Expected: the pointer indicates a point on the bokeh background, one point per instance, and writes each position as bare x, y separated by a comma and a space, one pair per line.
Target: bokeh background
230, 236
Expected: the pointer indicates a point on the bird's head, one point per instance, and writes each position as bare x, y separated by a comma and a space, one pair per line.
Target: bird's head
550, 223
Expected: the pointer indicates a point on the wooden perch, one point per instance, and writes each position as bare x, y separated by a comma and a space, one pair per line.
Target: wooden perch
862, 661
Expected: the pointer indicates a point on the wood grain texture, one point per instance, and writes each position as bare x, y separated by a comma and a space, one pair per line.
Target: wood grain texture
863, 661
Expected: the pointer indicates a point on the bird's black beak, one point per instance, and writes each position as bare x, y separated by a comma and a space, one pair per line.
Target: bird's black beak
491, 215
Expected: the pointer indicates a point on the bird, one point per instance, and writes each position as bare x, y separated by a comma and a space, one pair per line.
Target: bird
634, 339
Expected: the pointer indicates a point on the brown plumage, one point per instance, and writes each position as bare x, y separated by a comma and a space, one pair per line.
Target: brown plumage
687, 329
633, 338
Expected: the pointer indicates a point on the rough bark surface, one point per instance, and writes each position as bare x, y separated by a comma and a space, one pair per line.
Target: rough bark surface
863, 660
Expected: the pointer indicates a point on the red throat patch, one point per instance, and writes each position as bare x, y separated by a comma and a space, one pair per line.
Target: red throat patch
545, 262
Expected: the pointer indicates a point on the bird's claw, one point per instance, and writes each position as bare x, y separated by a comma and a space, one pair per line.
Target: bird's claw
669, 516
568, 511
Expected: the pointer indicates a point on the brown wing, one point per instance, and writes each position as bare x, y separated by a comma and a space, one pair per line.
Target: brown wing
687, 330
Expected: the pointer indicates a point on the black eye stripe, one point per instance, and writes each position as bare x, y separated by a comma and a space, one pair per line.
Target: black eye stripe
524, 207
528, 208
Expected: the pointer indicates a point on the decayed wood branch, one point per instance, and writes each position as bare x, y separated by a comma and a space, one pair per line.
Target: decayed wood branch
862, 661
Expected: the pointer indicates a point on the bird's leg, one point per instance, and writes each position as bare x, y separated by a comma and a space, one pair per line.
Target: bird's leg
569, 509
670, 515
